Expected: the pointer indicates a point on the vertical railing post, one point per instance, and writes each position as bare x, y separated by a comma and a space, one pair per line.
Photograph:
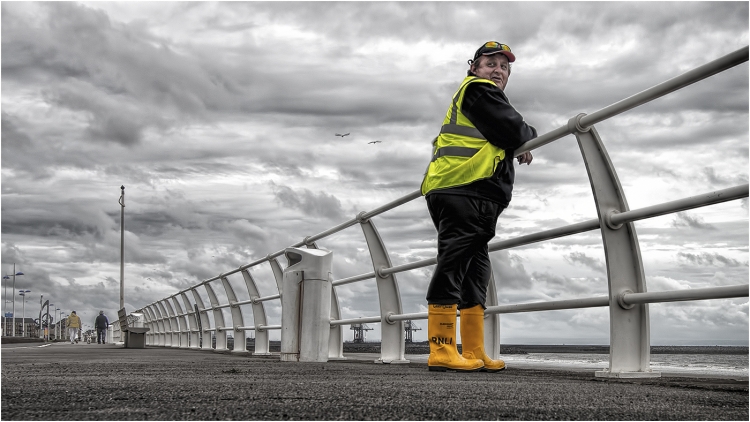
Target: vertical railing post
182, 320
336, 340
391, 332
169, 329
259, 315
220, 332
152, 324
240, 342
146, 323
204, 321
192, 318
629, 354
161, 338
492, 323
174, 322
278, 273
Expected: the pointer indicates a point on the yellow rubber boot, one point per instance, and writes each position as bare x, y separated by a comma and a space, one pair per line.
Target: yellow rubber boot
472, 338
441, 330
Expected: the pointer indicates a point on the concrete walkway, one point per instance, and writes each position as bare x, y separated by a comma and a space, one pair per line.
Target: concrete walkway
61, 381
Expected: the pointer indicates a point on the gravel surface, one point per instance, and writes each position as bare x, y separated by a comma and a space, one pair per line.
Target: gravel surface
108, 382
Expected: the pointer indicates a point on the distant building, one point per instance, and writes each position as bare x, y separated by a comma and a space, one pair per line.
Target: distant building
32, 329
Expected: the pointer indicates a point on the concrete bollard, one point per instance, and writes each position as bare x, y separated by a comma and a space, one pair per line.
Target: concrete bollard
306, 305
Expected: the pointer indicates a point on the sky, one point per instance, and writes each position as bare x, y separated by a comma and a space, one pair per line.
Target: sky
220, 120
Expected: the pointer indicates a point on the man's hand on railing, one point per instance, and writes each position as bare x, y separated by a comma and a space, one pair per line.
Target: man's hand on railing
525, 158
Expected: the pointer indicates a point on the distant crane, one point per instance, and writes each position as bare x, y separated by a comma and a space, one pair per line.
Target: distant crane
360, 332
342, 135
374, 142
410, 327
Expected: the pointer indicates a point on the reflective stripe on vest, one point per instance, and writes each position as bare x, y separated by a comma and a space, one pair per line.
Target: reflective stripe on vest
455, 151
462, 130
461, 154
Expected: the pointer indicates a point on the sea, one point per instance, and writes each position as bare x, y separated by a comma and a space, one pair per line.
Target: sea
694, 365
729, 366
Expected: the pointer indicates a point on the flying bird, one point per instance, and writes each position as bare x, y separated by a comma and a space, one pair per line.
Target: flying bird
374, 142
338, 134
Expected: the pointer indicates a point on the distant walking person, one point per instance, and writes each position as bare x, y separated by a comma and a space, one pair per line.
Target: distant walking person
467, 185
101, 324
74, 325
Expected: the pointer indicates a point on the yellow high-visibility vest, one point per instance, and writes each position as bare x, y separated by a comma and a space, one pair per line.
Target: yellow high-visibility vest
460, 154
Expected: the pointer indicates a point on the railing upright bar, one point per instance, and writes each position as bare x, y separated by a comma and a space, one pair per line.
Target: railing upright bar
182, 321
259, 314
389, 298
173, 323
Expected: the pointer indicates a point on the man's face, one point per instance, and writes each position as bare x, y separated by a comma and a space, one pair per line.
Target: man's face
495, 68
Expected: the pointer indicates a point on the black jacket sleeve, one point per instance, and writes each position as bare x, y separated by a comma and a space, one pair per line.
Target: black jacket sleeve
490, 111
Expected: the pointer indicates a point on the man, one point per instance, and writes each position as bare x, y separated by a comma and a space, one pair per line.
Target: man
467, 185
101, 324
74, 324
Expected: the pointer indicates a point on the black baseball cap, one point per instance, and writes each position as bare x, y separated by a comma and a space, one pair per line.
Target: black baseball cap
494, 47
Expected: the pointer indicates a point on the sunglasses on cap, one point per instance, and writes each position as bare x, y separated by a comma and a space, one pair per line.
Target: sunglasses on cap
492, 47
495, 44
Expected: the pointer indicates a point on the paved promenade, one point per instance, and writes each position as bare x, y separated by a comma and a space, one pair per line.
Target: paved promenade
61, 381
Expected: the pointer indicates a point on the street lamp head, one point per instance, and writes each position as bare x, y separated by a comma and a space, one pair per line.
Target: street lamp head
5, 277
19, 273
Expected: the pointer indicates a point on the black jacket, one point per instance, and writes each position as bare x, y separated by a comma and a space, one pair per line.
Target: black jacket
101, 321
490, 111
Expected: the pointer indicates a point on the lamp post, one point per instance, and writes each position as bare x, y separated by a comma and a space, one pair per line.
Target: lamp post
48, 322
23, 315
41, 324
58, 315
54, 322
122, 247
13, 334
5, 295
5, 305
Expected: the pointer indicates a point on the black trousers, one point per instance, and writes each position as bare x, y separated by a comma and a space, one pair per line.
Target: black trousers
465, 225
101, 335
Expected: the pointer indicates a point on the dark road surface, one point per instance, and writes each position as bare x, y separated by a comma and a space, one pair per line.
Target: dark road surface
108, 382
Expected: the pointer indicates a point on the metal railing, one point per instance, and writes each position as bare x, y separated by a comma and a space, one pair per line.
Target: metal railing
171, 326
